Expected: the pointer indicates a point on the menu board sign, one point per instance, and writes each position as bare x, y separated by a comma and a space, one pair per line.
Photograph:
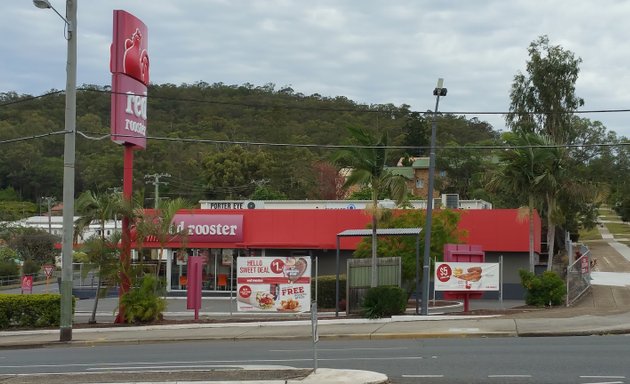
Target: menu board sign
273, 284
467, 277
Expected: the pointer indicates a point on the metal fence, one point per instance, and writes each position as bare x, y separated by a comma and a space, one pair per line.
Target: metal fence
359, 274
579, 275
16, 280
84, 275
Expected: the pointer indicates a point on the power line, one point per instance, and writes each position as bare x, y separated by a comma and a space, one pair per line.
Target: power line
23, 99
359, 108
32, 137
315, 146
350, 146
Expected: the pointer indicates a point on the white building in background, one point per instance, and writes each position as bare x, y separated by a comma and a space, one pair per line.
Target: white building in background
54, 226
445, 201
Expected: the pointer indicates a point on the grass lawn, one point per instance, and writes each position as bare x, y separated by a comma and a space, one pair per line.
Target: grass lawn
592, 234
618, 228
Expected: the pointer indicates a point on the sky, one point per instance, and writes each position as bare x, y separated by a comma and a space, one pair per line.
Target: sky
370, 51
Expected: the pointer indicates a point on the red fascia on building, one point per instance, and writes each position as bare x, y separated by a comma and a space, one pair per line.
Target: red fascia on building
496, 230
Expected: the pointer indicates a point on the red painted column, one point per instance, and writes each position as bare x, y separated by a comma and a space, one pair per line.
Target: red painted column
125, 254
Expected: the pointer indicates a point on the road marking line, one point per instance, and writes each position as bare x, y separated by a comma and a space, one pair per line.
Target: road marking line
499, 376
606, 382
417, 376
241, 362
602, 377
340, 349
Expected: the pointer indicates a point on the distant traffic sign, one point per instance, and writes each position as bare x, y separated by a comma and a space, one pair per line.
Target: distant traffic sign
48, 269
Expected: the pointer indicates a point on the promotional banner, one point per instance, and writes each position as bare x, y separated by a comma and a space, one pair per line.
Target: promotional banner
450, 276
273, 284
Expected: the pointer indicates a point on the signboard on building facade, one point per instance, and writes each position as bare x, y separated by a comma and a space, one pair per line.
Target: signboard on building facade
274, 284
130, 76
209, 228
452, 276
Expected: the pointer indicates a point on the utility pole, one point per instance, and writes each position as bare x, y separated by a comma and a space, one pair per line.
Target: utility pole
437, 92
156, 182
49, 200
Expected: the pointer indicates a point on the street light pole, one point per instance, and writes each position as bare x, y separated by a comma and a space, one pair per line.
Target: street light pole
65, 320
426, 268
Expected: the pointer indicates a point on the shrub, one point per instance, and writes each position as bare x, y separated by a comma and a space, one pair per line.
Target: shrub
30, 311
30, 267
384, 301
548, 289
144, 303
326, 290
9, 268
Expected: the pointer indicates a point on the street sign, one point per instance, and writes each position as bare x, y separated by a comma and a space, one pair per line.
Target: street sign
48, 269
27, 284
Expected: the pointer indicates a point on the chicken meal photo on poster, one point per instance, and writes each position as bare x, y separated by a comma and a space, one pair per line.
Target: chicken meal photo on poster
273, 284
451, 276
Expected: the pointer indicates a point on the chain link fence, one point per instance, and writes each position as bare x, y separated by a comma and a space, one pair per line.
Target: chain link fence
579, 274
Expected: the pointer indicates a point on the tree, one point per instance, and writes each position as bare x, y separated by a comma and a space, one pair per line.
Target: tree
264, 192
368, 160
519, 174
444, 231
143, 301
34, 244
464, 169
103, 253
543, 100
231, 174
99, 208
329, 183
159, 224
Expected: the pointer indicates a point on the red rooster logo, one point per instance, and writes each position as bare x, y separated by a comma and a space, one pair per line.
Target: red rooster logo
136, 61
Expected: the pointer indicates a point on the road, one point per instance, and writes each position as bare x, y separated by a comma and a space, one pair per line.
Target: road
591, 359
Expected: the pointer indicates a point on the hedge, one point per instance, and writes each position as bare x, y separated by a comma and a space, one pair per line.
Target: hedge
326, 290
30, 311
384, 301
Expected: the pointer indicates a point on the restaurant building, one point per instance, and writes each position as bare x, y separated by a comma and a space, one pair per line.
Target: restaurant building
222, 235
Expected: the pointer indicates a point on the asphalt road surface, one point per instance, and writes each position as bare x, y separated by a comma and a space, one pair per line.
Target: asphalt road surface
589, 359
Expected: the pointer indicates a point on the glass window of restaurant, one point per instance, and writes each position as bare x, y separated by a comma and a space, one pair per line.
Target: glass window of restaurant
218, 273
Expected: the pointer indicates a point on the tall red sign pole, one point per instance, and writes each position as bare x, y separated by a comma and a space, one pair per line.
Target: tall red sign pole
130, 77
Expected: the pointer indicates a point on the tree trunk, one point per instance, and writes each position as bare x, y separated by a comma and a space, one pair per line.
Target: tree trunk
375, 188
98, 289
531, 234
374, 282
551, 233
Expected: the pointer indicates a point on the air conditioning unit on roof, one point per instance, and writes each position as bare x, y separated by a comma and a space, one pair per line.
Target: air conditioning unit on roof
450, 200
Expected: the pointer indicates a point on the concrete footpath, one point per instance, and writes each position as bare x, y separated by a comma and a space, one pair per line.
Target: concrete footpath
586, 318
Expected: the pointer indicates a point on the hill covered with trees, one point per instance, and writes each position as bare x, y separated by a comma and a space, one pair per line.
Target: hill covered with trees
219, 141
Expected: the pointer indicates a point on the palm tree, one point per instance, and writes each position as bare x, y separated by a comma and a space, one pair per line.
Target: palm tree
368, 163
104, 253
159, 223
520, 173
93, 207
536, 170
